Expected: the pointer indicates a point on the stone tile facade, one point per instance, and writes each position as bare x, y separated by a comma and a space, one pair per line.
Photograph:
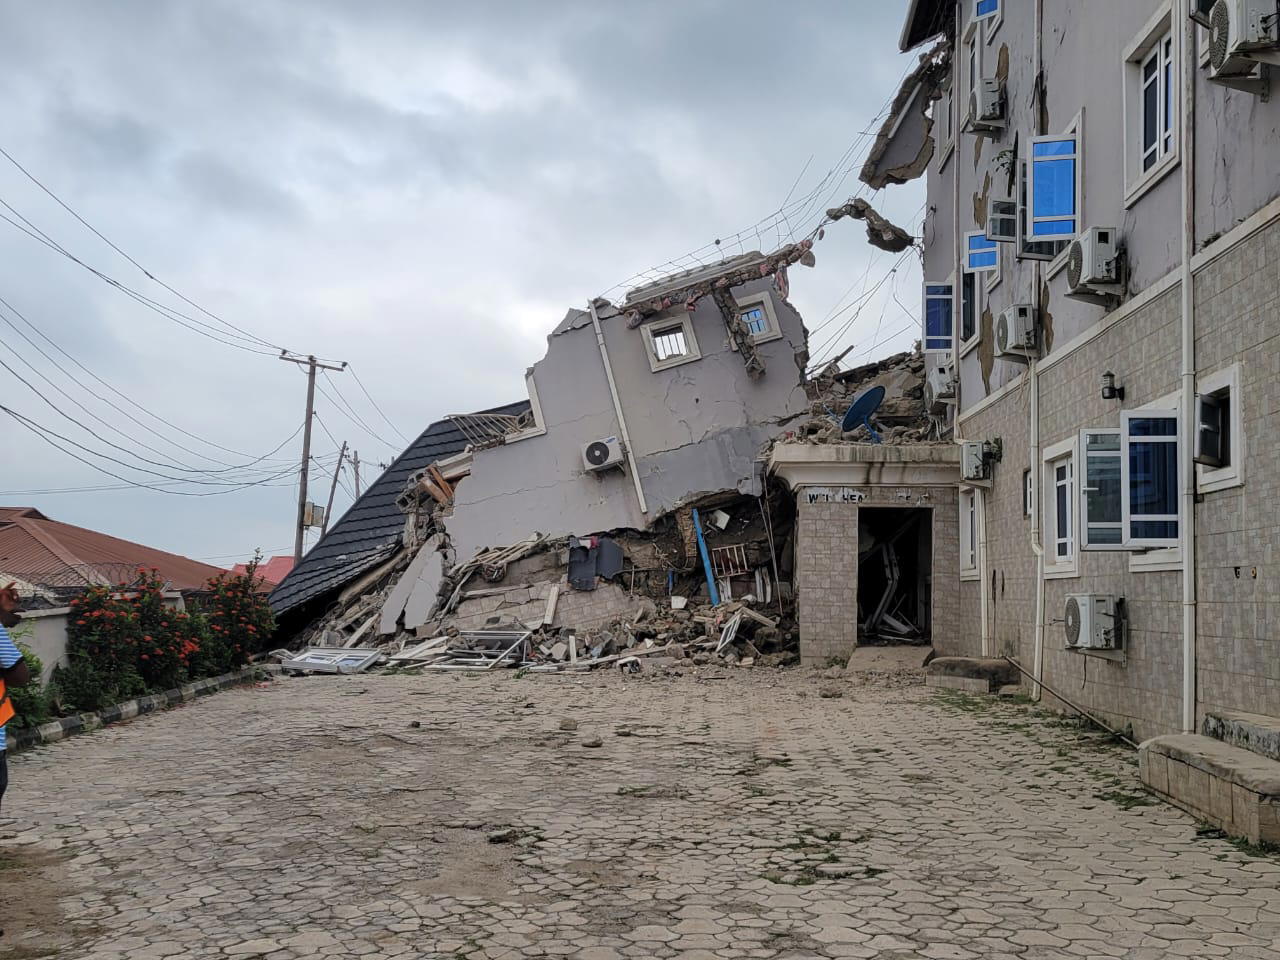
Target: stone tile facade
1238, 529
827, 567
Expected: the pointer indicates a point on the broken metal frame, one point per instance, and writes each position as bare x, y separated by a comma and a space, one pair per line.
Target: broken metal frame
331, 660
479, 660
486, 429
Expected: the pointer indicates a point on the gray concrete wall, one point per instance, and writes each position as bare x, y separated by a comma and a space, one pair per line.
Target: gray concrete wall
827, 568
1238, 140
694, 428
1238, 645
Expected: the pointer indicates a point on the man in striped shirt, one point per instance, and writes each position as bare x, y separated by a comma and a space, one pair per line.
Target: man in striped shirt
13, 673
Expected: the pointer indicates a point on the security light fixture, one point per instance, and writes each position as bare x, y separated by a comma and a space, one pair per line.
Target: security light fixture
1109, 389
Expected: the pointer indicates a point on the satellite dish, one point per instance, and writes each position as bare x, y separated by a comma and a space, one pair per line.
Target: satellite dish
860, 411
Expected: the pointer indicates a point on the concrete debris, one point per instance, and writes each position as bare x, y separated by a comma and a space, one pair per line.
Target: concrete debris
905, 145
880, 232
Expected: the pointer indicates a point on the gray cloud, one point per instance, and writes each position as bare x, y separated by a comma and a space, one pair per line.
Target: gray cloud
420, 188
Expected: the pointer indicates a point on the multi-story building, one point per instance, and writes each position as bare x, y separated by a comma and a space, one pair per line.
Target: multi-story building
1102, 301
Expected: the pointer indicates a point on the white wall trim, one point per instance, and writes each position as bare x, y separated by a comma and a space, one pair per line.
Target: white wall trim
1236, 236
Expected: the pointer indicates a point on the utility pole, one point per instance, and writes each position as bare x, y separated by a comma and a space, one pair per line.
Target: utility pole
312, 365
355, 466
328, 510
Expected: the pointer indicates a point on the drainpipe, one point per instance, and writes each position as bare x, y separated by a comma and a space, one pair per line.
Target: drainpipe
1186, 464
1033, 381
617, 406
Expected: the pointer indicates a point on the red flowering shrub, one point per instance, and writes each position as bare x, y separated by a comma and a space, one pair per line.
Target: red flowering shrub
238, 617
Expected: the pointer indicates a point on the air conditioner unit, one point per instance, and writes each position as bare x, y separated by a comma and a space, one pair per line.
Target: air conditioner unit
601, 454
1016, 332
1242, 34
973, 461
1093, 265
986, 106
939, 389
1093, 621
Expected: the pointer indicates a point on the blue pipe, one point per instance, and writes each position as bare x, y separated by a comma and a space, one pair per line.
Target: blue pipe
706, 560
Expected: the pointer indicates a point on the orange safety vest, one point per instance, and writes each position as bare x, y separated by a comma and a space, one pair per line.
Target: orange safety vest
6, 705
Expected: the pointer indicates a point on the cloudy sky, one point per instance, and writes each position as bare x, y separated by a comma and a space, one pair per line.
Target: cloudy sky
421, 188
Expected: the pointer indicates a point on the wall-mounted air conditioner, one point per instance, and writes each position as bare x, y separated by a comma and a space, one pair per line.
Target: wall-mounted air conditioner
1016, 336
939, 389
1243, 34
1093, 621
1093, 265
601, 454
986, 106
973, 460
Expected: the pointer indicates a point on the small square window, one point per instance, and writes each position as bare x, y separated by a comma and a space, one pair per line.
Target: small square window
1028, 494
980, 254
755, 320
1219, 438
757, 313
670, 342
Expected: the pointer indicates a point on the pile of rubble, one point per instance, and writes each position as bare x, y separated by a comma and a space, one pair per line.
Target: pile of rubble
693, 588
900, 419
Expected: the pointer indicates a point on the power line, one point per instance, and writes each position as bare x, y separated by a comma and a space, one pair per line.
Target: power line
148, 273
45, 434
360, 384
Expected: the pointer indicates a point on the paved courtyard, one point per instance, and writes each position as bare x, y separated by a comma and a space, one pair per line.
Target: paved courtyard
719, 814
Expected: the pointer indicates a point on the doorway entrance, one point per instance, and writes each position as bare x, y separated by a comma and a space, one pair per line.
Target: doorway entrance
895, 565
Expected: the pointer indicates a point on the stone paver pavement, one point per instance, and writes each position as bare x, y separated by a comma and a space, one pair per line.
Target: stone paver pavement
725, 814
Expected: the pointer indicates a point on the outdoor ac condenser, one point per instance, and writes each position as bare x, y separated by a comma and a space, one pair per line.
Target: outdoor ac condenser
601, 454
1092, 621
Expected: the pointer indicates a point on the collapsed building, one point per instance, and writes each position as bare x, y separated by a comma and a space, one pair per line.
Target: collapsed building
655, 494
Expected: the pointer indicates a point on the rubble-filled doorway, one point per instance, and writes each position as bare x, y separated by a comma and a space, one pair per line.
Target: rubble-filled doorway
895, 562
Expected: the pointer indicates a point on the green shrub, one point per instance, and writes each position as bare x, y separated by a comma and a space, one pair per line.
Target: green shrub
80, 687
238, 616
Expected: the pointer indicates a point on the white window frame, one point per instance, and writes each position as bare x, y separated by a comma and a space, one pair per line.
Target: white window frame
971, 66
1126, 417
968, 533
996, 274
1056, 567
690, 342
1028, 493
1150, 42
1083, 490
772, 330
539, 425
1209, 479
964, 253
1167, 558
945, 122
991, 21
950, 298
1073, 132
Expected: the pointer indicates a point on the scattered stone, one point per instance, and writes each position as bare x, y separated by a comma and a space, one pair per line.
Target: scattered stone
593, 742
829, 691
701, 659
568, 724
834, 673
1010, 690
840, 870
415, 724
747, 662
509, 835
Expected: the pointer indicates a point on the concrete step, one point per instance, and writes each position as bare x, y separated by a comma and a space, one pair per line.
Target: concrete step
1235, 789
1252, 731
972, 674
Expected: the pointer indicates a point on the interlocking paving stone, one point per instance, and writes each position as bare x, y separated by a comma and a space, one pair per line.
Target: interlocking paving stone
308, 819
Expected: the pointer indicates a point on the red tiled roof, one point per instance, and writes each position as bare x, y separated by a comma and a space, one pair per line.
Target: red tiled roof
271, 572
44, 551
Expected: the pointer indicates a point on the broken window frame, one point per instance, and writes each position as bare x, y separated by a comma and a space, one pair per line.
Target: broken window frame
1158, 42
535, 407
940, 295
1223, 385
968, 519
1058, 509
764, 303
945, 120
970, 67
655, 328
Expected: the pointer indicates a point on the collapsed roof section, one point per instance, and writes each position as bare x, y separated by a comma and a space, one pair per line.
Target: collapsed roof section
905, 145
926, 19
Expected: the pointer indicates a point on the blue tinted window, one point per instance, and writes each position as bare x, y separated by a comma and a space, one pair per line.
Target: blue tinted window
937, 316
987, 8
1153, 479
981, 252
755, 320
1054, 148
1055, 189
1153, 427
